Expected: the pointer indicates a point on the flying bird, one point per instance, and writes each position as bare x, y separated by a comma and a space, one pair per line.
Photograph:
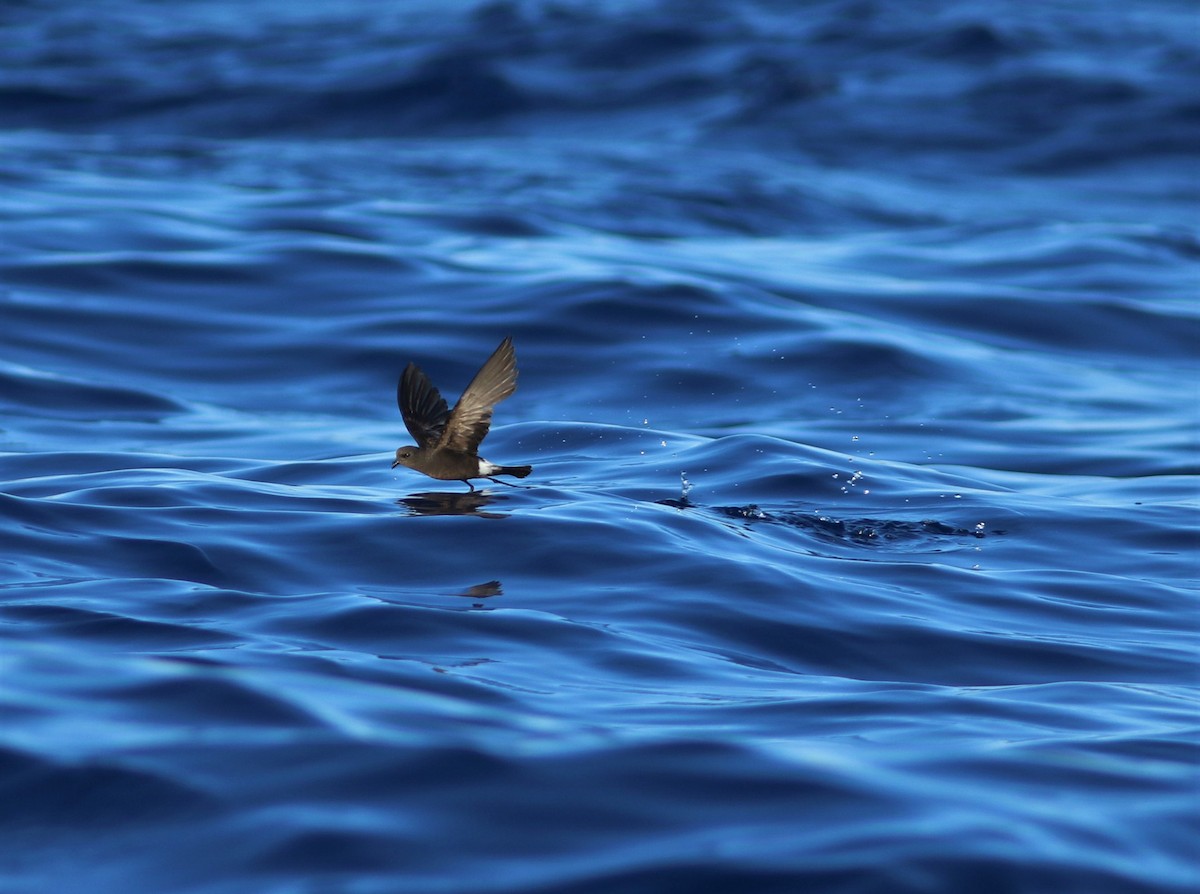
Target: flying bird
448, 440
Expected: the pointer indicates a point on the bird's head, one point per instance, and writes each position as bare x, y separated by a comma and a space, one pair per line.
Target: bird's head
405, 456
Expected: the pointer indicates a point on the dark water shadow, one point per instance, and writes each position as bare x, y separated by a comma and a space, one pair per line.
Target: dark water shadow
865, 531
476, 593
483, 591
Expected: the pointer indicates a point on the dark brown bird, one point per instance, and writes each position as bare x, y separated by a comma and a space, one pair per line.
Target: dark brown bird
448, 440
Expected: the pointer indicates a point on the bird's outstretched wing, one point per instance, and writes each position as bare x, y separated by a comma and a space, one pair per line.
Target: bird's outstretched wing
422, 406
472, 415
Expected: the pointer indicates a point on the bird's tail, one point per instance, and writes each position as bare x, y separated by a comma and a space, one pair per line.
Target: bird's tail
515, 471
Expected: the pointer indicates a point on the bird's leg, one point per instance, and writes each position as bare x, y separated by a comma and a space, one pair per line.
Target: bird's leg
506, 483
470, 485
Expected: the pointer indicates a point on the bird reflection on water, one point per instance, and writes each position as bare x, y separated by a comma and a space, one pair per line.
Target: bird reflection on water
442, 503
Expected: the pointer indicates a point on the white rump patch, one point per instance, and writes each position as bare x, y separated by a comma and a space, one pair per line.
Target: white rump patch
486, 468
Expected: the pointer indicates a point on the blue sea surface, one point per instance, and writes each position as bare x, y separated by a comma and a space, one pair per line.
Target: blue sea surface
859, 372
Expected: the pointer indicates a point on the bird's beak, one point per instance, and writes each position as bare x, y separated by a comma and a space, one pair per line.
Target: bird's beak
396, 463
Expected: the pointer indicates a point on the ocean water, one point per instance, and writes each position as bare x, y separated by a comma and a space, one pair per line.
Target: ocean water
858, 371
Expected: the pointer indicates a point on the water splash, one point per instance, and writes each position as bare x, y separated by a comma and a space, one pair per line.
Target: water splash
852, 482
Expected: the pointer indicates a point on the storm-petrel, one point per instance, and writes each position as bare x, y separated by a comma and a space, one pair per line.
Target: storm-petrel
448, 440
